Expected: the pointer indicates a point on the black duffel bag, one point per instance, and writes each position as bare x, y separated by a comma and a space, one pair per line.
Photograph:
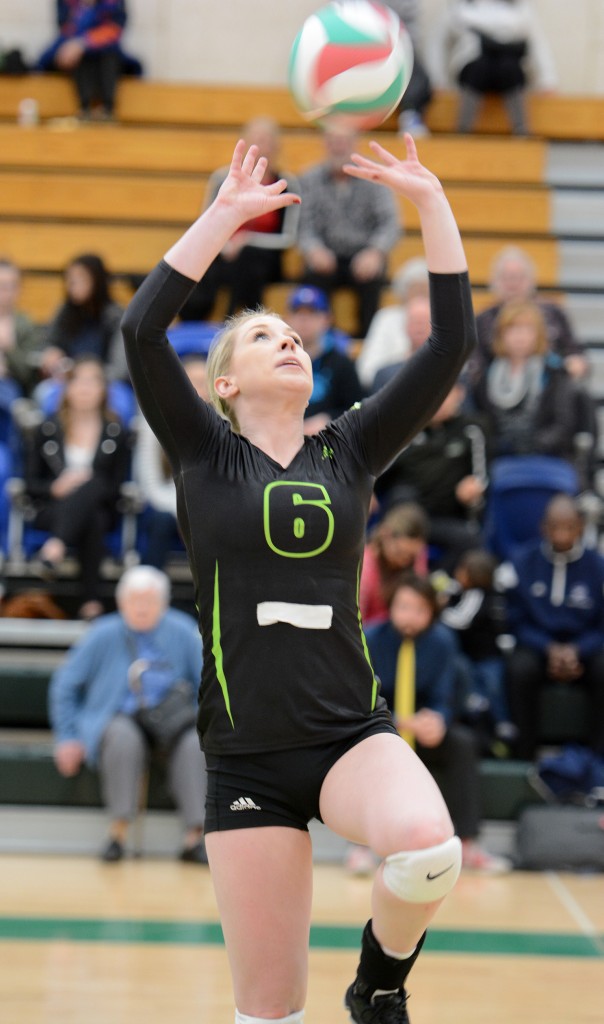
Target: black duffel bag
560, 838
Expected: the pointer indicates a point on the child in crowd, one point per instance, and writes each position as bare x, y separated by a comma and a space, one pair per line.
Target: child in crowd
476, 613
397, 542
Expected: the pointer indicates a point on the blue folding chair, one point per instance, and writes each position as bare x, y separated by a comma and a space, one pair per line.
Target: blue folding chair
193, 338
519, 489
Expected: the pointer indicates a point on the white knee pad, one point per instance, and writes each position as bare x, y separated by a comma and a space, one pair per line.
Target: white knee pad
422, 876
293, 1018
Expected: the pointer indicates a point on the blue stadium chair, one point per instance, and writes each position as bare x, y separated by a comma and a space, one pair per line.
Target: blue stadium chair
193, 338
519, 489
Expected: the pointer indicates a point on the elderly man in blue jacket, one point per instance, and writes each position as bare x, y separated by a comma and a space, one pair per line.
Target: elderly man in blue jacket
127, 660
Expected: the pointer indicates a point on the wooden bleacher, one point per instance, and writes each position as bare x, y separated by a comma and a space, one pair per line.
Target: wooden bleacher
145, 102
128, 190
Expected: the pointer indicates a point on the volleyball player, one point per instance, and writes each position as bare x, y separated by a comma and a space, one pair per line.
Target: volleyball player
291, 720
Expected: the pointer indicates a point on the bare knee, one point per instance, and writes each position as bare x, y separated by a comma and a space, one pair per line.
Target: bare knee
417, 833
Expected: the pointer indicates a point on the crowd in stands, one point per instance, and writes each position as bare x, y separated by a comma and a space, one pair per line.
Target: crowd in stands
510, 626
524, 392
486, 634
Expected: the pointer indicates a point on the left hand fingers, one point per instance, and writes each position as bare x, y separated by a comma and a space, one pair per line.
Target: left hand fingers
238, 155
259, 169
249, 160
276, 187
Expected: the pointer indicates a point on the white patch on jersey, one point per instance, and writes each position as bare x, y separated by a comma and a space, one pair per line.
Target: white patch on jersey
304, 616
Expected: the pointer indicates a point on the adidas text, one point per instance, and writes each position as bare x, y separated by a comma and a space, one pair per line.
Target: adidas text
245, 803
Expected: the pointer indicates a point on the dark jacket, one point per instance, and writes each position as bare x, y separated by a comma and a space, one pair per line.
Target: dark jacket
336, 385
435, 665
477, 617
45, 461
552, 424
434, 463
556, 598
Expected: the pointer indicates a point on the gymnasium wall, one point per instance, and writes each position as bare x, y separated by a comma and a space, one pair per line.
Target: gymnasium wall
212, 40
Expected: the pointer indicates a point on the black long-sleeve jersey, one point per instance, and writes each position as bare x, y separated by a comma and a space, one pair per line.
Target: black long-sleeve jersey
276, 551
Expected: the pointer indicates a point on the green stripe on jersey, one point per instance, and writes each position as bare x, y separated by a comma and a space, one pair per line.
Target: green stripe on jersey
217, 648
363, 640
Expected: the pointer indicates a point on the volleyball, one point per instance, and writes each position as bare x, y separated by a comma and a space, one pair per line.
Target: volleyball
350, 62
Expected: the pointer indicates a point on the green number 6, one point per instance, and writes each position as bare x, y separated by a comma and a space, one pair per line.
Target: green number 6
298, 523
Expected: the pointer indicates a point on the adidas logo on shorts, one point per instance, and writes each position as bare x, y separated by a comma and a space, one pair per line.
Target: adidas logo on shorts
245, 803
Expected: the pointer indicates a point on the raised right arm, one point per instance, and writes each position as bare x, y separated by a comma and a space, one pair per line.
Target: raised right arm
166, 397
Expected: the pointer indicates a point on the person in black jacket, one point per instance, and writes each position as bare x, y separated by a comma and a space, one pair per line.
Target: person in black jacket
75, 465
87, 322
445, 470
291, 720
476, 613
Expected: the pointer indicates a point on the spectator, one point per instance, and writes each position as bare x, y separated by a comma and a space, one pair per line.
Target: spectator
87, 322
442, 744
20, 338
88, 46
531, 405
75, 465
387, 340
154, 476
93, 706
492, 46
336, 385
396, 543
347, 227
418, 326
476, 612
252, 258
514, 278
418, 93
444, 469
555, 594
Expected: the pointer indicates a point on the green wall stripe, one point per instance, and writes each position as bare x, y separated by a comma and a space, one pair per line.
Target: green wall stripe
328, 937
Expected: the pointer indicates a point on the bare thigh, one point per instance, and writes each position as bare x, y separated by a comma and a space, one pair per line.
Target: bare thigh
381, 795
263, 883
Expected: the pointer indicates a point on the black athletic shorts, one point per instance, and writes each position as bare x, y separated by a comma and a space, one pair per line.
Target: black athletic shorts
281, 787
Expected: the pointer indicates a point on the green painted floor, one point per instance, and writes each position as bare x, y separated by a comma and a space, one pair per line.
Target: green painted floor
332, 937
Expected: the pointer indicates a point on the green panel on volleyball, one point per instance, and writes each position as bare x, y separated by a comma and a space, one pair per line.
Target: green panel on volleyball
342, 32
293, 54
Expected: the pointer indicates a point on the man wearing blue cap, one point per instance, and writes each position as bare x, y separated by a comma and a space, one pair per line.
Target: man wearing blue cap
336, 385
